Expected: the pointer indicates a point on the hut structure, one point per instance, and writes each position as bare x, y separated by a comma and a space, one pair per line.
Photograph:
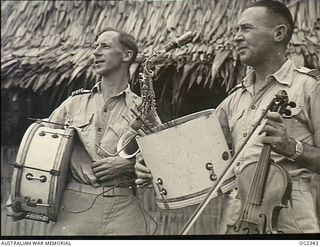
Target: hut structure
46, 49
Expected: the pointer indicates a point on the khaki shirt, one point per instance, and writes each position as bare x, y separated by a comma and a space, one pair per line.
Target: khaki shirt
96, 122
238, 112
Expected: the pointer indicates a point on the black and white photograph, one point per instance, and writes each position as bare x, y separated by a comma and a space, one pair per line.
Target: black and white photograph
160, 119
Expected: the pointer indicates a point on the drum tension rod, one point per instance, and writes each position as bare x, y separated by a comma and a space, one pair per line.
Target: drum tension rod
44, 121
52, 171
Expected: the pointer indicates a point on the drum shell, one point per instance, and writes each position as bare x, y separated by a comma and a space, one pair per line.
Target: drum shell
179, 155
41, 156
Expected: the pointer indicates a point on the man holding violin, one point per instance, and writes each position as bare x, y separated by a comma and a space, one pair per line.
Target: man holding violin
264, 30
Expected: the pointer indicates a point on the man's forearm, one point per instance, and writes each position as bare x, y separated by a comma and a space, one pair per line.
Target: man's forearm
310, 158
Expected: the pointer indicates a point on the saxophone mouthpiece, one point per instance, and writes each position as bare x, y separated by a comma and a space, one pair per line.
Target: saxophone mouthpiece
180, 41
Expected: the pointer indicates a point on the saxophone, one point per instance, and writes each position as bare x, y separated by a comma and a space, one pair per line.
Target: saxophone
148, 107
146, 119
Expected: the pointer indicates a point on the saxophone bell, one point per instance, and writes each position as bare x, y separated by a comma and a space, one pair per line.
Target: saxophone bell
127, 146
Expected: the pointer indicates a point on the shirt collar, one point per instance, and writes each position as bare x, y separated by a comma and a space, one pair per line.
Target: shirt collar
127, 92
96, 88
249, 79
284, 75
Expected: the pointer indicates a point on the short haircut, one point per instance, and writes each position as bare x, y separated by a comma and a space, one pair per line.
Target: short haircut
278, 9
125, 39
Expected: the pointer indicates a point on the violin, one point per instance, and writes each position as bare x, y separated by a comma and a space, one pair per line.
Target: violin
263, 187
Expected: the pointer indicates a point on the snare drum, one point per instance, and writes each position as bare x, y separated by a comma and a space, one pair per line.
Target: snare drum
186, 156
40, 172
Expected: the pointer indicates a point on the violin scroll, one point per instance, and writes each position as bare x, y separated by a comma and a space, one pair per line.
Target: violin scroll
281, 103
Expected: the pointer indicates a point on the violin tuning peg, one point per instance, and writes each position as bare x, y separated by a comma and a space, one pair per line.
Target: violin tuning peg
287, 113
292, 104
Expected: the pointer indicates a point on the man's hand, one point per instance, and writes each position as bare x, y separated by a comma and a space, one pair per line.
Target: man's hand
111, 166
15, 215
277, 135
143, 173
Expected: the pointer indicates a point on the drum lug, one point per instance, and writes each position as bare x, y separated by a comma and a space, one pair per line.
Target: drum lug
159, 181
55, 135
42, 178
162, 191
42, 133
213, 175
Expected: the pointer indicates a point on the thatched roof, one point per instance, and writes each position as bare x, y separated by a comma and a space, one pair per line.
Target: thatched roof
48, 44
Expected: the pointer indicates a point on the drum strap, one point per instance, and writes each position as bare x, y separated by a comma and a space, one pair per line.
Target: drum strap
52, 171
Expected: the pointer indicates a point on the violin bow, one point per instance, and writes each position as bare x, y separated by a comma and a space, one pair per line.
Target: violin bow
228, 169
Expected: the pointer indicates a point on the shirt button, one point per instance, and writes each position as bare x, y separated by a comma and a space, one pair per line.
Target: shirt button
244, 134
105, 109
253, 107
99, 129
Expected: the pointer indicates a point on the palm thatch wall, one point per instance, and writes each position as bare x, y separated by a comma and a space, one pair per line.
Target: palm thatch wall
48, 44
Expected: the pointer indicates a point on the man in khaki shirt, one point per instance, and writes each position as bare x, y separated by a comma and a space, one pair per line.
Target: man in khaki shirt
264, 31
100, 116
99, 198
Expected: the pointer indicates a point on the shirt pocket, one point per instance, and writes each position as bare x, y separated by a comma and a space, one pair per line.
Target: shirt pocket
235, 119
117, 128
112, 136
83, 125
82, 121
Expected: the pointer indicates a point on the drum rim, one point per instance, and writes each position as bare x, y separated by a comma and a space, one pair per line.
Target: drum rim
186, 197
184, 119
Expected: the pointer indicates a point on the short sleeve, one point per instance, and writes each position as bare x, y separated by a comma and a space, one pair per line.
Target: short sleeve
314, 113
222, 113
59, 115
